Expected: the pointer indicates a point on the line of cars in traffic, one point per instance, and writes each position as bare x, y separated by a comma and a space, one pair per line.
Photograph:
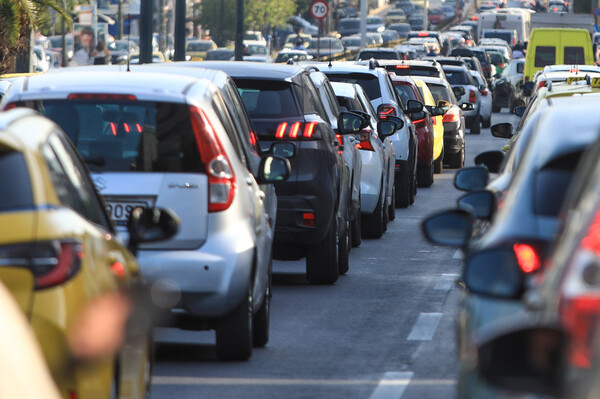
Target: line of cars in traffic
527, 321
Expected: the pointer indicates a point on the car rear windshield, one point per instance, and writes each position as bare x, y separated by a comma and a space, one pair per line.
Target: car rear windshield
552, 183
14, 179
266, 99
378, 55
439, 92
458, 78
199, 46
405, 92
574, 55
506, 36
413, 70
369, 83
545, 55
350, 23
124, 135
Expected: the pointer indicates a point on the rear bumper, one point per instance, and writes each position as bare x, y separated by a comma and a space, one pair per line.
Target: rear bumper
453, 138
291, 227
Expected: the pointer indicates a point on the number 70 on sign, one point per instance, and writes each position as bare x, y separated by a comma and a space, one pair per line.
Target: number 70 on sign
319, 9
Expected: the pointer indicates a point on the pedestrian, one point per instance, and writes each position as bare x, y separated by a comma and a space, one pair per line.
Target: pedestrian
102, 55
298, 44
85, 54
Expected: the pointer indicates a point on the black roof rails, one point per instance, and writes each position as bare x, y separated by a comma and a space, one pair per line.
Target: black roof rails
312, 68
290, 61
373, 63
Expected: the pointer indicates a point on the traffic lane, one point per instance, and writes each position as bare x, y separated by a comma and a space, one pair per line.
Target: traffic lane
341, 340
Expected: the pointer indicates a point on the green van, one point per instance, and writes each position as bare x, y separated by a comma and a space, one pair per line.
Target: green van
553, 46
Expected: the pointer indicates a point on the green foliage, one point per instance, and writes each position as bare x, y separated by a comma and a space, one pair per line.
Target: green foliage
261, 13
210, 18
9, 22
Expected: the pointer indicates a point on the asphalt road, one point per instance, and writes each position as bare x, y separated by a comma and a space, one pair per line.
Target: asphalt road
385, 330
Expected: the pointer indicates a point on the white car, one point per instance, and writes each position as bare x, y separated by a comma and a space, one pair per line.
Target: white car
459, 77
165, 140
486, 100
256, 51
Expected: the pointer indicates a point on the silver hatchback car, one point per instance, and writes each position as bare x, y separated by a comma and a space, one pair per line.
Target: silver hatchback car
154, 139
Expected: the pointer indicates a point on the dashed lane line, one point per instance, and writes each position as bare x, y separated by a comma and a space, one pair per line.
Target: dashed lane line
446, 282
425, 327
392, 385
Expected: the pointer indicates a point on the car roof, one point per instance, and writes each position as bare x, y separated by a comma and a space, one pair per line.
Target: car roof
455, 68
247, 69
343, 89
346, 67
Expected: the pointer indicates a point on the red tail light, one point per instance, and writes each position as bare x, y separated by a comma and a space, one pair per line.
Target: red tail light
309, 219
501, 65
423, 34
529, 260
434, 120
10, 106
51, 262
97, 96
221, 179
340, 139
364, 140
541, 84
402, 66
472, 96
384, 110
484, 92
294, 131
451, 116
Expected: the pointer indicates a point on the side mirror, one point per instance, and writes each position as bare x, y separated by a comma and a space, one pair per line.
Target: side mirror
150, 225
364, 115
494, 272
467, 107
492, 160
525, 359
527, 89
414, 106
520, 111
450, 228
502, 130
459, 91
437, 111
273, 169
399, 122
285, 149
350, 123
445, 105
386, 128
482, 203
472, 178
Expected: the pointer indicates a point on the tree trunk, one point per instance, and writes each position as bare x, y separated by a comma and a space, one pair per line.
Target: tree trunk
24, 59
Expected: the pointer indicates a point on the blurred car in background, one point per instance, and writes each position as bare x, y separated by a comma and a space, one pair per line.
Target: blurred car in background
195, 50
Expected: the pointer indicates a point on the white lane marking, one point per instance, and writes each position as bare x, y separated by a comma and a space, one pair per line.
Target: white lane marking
392, 385
425, 327
446, 282
176, 380
457, 254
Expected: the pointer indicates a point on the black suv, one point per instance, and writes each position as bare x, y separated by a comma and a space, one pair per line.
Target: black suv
284, 106
478, 53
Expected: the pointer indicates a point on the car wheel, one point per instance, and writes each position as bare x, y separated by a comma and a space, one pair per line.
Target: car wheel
475, 127
438, 164
344, 249
373, 225
355, 229
386, 214
322, 265
487, 122
425, 175
234, 332
392, 206
262, 318
457, 161
403, 189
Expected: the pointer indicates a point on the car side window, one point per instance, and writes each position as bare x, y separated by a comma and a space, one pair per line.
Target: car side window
311, 97
71, 183
333, 104
244, 120
221, 111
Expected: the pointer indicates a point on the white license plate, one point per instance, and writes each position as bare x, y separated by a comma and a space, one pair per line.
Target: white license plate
120, 211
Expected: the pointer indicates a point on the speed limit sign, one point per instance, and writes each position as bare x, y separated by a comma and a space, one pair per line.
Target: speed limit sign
319, 9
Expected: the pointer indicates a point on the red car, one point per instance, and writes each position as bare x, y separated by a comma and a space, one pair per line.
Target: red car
435, 16
407, 90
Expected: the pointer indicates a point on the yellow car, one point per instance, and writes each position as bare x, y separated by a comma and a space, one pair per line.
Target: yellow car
438, 125
65, 266
195, 50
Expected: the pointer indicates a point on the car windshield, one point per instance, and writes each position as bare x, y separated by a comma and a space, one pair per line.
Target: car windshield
199, 46
327, 42
506, 36
369, 83
351, 42
374, 20
125, 135
256, 49
378, 55
219, 55
349, 23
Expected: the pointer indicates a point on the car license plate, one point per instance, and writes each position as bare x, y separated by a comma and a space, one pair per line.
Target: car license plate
120, 211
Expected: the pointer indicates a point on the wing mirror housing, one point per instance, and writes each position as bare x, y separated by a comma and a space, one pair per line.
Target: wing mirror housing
451, 228
350, 123
467, 107
150, 225
482, 203
495, 273
414, 106
283, 149
502, 130
519, 111
273, 169
471, 178
459, 91
492, 160
437, 111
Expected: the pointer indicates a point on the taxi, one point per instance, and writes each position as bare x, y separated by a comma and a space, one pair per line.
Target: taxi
65, 266
438, 124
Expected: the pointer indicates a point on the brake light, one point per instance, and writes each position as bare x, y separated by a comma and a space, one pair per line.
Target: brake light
501, 65
51, 262
281, 130
451, 116
294, 130
385, 110
339, 139
309, 219
221, 179
423, 34
541, 84
472, 96
402, 66
364, 140
484, 92
10, 106
528, 259
96, 96
434, 120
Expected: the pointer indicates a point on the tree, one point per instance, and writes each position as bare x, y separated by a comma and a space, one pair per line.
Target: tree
263, 13
18, 19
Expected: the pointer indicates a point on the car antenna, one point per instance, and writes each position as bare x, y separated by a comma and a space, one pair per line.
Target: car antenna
128, 44
329, 65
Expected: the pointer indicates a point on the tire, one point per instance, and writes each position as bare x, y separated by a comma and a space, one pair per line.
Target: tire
386, 214
425, 175
392, 206
438, 164
475, 127
355, 231
403, 189
262, 319
373, 225
345, 243
457, 161
322, 265
486, 123
234, 333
